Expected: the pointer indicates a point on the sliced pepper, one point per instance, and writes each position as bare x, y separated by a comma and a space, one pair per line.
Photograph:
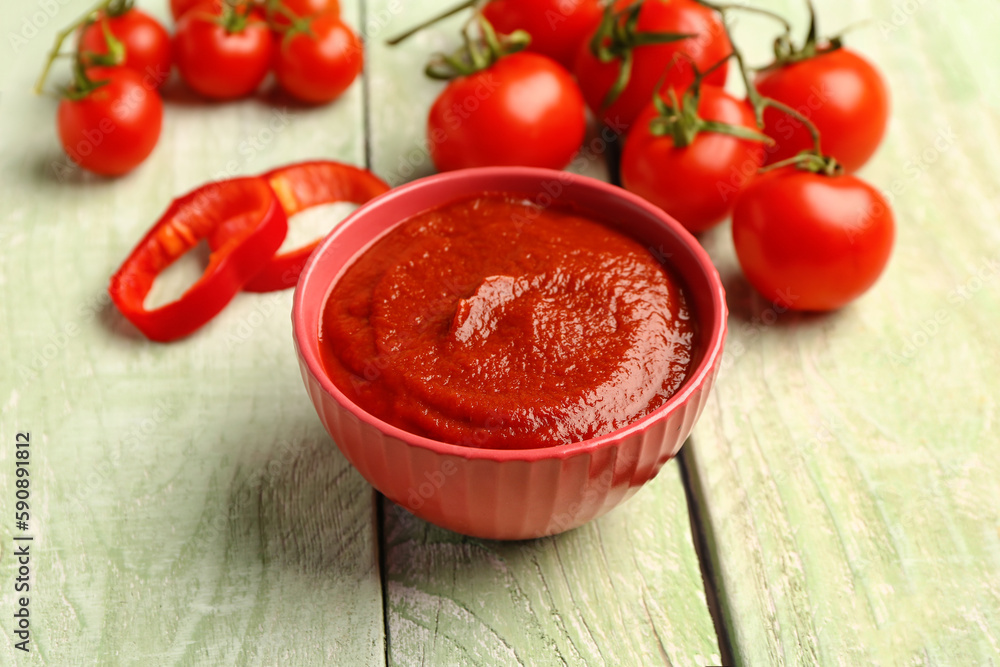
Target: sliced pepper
244, 224
304, 185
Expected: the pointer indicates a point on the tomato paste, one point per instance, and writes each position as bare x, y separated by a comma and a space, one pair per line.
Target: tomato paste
491, 322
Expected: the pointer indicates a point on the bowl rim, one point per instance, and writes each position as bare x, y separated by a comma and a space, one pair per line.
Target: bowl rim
695, 381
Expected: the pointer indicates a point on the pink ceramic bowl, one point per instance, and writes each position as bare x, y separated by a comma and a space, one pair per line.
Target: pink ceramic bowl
511, 494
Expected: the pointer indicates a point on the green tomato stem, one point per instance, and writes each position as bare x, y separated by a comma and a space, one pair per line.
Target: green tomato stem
723, 7
479, 52
61, 38
784, 108
812, 160
435, 19
617, 37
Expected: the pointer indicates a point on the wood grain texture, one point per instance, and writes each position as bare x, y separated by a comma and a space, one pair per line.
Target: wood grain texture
846, 467
191, 510
188, 507
626, 589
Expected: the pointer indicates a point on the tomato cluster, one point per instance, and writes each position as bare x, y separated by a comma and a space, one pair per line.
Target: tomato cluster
224, 51
807, 232
109, 118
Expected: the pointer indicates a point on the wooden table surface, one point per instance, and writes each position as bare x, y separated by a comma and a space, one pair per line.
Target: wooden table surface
839, 496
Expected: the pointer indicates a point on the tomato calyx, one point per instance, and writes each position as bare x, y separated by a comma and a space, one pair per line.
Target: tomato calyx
81, 84
617, 37
232, 19
479, 52
680, 120
115, 54
813, 159
297, 25
116, 8
787, 53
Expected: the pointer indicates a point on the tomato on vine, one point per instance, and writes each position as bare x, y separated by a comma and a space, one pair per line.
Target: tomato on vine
179, 7
557, 27
109, 121
812, 241
503, 106
694, 156
223, 51
624, 62
280, 13
836, 88
131, 38
317, 63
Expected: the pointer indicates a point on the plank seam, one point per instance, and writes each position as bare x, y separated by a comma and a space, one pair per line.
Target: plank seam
382, 569
712, 589
366, 106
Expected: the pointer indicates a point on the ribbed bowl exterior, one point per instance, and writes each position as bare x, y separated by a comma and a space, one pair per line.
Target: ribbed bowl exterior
511, 494
511, 499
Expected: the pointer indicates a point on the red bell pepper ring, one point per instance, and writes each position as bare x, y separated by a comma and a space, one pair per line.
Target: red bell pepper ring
244, 224
304, 185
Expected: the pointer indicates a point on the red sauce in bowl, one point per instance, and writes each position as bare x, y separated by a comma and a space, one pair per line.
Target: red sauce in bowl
491, 322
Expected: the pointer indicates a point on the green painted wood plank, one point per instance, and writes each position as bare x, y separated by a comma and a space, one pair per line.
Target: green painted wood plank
189, 508
626, 589
845, 467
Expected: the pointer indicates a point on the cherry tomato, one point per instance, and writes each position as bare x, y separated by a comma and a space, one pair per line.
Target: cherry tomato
146, 42
216, 62
557, 27
810, 241
523, 110
699, 183
318, 66
301, 8
179, 7
709, 46
841, 93
115, 127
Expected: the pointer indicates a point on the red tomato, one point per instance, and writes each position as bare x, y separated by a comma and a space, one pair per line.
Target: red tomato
115, 127
698, 184
524, 110
841, 93
301, 8
146, 42
809, 241
557, 27
179, 7
318, 66
217, 63
709, 46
